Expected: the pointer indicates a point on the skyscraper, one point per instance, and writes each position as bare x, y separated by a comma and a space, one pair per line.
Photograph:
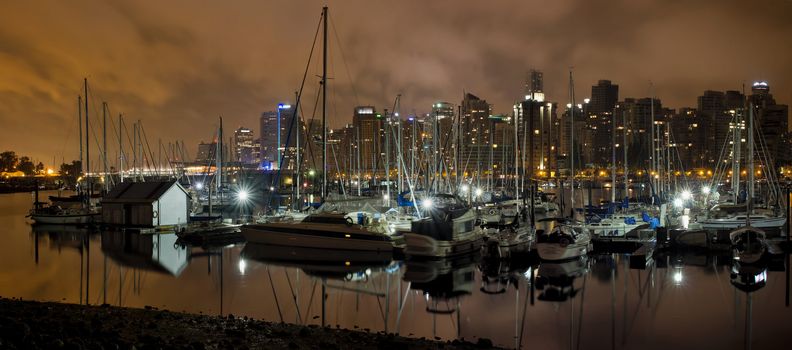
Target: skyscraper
243, 146
604, 96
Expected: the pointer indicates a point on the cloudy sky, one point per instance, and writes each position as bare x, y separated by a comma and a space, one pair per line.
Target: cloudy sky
177, 65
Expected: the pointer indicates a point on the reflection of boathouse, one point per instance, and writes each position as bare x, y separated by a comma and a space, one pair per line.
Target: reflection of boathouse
157, 252
146, 204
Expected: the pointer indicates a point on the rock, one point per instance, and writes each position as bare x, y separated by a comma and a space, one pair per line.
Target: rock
484, 343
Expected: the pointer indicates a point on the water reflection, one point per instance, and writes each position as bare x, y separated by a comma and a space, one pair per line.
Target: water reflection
684, 298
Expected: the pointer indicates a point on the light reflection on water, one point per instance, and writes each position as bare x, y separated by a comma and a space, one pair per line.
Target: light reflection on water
683, 300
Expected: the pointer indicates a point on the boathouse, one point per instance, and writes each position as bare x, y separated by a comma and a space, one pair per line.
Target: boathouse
146, 204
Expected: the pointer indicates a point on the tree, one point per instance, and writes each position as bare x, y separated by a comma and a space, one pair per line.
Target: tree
40, 168
26, 166
8, 161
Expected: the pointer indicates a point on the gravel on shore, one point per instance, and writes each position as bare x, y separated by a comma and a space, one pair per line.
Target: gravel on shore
48, 325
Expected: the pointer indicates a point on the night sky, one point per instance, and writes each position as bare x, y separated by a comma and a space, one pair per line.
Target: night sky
177, 65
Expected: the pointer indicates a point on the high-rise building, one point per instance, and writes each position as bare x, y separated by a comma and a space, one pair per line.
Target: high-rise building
243, 146
475, 130
279, 137
534, 85
206, 152
368, 127
604, 96
771, 120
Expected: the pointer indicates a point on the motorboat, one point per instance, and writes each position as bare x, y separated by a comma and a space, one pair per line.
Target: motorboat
328, 230
563, 242
736, 220
56, 215
507, 242
618, 225
447, 228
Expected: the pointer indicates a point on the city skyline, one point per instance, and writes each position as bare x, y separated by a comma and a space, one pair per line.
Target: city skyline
178, 67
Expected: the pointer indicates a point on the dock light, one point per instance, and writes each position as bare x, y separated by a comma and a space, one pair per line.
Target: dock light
385, 197
705, 190
479, 192
427, 203
272, 189
312, 172
686, 195
465, 188
199, 186
242, 195
678, 202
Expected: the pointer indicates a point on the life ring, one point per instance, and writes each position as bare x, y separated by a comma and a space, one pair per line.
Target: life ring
349, 221
493, 211
154, 214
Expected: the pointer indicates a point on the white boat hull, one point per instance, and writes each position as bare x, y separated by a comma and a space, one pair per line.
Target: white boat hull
74, 219
555, 251
427, 247
729, 224
314, 238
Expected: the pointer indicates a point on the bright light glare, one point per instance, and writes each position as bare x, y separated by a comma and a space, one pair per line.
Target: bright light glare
242, 266
385, 197
465, 188
705, 190
678, 277
427, 203
686, 195
479, 192
678, 202
198, 186
242, 195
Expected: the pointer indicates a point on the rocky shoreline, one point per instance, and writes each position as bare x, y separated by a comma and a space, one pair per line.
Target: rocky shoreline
48, 325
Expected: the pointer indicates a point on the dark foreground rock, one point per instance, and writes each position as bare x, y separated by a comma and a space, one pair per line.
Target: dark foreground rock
37, 325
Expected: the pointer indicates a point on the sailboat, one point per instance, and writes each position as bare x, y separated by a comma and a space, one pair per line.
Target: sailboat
358, 231
731, 219
78, 210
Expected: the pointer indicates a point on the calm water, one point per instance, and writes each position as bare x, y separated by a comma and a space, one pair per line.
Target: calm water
683, 301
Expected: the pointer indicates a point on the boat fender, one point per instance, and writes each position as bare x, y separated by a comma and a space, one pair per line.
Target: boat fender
492, 211
154, 214
349, 221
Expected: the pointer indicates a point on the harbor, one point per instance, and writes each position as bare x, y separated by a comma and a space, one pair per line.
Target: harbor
399, 176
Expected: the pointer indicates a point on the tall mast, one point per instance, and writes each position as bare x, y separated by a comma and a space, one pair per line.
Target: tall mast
624, 135
104, 143
219, 170
572, 138
750, 158
120, 148
653, 172
87, 143
324, 105
387, 155
79, 125
297, 201
613, 158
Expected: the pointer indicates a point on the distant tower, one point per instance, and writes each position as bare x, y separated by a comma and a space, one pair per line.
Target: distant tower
604, 96
534, 83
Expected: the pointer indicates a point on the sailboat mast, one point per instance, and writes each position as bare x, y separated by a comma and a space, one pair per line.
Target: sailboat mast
613, 158
324, 105
572, 138
219, 170
104, 143
79, 125
750, 158
87, 143
120, 148
624, 135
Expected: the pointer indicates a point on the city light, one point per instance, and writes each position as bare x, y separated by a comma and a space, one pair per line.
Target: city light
427, 203
243, 195
479, 192
465, 188
705, 190
686, 195
199, 186
678, 202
